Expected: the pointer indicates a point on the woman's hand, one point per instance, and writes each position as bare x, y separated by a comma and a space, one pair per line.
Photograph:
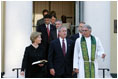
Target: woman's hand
22, 73
41, 65
52, 72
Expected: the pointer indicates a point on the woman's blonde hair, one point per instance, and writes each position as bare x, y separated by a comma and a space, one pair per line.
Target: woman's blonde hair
34, 35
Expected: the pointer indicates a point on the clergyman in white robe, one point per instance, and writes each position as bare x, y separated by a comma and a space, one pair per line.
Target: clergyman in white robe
78, 61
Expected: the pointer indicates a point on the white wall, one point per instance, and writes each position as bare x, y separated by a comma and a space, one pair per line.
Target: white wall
76, 15
18, 27
97, 14
113, 56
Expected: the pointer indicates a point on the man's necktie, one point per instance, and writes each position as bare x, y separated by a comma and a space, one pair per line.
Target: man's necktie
63, 47
48, 31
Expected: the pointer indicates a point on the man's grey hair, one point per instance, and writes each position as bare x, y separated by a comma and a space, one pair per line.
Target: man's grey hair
59, 29
87, 26
59, 21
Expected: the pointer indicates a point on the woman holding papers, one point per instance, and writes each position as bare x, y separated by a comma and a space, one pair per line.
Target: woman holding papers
32, 66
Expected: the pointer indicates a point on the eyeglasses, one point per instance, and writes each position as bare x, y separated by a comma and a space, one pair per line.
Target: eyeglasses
84, 30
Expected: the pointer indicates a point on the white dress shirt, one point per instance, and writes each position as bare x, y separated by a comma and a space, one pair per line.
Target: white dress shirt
80, 35
61, 41
57, 33
48, 26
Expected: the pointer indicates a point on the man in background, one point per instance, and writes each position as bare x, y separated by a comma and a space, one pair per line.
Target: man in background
55, 33
53, 20
66, 24
77, 35
41, 21
46, 29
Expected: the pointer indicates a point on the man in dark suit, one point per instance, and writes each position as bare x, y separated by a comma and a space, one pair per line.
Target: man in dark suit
60, 58
47, 30
41, 21
75, 36
55, 34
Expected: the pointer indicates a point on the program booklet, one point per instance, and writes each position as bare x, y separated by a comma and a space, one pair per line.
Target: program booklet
40, 62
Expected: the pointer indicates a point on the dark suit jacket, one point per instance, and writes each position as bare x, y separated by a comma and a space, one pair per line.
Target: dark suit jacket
40, 22
74, 37
68, 33
45, 41
54, 34
62, 64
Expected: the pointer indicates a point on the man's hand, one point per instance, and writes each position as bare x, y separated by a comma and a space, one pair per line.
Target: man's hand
103, 55
76, 70
52, 72
22, 73
41, 65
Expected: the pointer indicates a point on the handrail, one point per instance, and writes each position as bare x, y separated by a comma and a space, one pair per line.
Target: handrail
103, 69
17, 69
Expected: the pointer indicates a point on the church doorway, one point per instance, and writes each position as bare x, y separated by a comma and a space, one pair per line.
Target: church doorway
66, 8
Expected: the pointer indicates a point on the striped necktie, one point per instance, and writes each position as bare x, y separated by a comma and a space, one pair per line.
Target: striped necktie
63, 47
48, 31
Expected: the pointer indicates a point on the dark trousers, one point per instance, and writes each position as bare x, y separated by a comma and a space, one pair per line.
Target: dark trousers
74, 75
63, 76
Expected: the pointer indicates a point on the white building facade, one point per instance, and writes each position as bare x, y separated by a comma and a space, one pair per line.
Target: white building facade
18, 27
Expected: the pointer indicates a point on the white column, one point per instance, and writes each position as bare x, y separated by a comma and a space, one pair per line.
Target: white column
18, 27
77, 16
97, 14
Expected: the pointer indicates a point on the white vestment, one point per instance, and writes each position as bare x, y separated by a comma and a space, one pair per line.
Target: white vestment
78, 61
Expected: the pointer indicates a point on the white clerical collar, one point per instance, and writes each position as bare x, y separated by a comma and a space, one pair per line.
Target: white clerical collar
88, 37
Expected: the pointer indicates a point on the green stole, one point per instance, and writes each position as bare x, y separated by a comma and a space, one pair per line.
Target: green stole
88, 66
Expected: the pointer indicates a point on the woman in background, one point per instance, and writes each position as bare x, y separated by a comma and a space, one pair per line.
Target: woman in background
34, 53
